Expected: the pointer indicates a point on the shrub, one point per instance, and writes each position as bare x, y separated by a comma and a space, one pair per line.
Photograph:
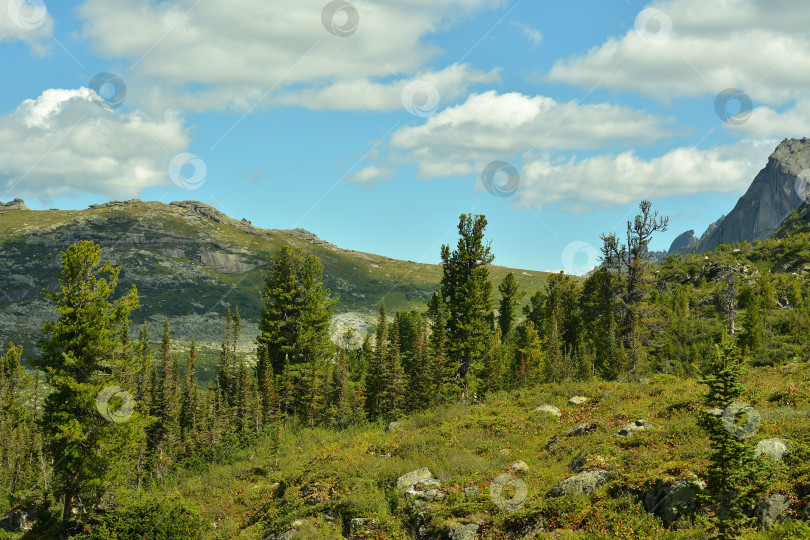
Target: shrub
151, 520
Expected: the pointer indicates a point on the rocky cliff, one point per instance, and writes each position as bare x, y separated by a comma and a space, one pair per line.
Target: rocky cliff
771, 197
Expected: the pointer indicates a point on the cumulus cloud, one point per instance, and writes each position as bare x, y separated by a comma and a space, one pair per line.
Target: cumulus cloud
745, 44
613, 179
64, 144
487, 126
210, 55
29, 22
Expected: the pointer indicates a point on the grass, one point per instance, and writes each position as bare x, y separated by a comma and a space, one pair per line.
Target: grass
354, 472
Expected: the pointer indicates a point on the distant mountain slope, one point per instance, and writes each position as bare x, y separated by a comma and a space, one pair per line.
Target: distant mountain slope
770, 198
190, 262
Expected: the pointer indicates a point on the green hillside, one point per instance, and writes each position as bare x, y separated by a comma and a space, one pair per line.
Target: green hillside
190, 262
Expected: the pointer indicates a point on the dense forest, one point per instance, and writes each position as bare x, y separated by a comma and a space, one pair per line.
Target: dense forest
101, 420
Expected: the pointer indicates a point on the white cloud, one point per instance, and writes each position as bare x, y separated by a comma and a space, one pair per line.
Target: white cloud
613, 179
767, 122
64, 144
29, 22
758, 46
488, 126
209, 54
365, 95
532, 34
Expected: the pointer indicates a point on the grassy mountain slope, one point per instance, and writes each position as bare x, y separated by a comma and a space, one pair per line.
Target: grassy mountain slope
190, 262
325, 478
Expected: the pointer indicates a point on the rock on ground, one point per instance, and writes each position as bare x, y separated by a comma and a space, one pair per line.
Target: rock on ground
582, 484
519, 467
411, 478
776, 448
581, 429
577, 400
668, 500
468, 531
772, 509
549, 409
632, 428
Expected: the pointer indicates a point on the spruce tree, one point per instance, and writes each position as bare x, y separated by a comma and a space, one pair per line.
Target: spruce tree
510, 296
467, 291
93, 437
441, 368
165, 408
375, 378
734, 479
189, 402
392, 393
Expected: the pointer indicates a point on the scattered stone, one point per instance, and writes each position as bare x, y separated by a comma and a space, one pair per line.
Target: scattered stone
669, 500
470, 492
468, 531
358, 525
715, 412
577, 400
552, 441
393, 426
519, 467
593, 461
776, 448
632, 428
773, 509
424, 491
417, 475
581, 429
504, 452
581, 485
17, 520
548, 409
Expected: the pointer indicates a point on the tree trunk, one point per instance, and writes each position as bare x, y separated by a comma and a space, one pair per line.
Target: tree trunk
68, 511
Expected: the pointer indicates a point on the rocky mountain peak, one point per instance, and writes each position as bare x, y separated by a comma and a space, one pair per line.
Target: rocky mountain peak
16, 204
770, 198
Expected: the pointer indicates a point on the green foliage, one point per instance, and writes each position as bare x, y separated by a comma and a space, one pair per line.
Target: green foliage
733, 477
467, 292
148, 520
82, 355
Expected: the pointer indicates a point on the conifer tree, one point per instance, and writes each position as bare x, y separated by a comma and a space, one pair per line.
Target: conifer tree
165, 408
418, 380
392, 393
294, 323
375, 378
17, 433
510, 296
189, 402
80, 351
734, 479
467, 291
442, 369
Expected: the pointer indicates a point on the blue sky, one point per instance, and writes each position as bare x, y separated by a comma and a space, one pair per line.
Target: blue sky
371, 123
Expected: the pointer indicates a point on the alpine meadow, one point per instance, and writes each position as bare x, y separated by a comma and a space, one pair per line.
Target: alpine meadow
364, 269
